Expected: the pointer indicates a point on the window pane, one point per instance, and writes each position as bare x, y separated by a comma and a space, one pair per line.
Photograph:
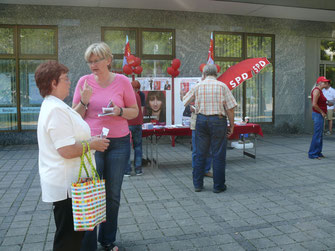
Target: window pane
30, 95
157, 42
330, 73
116, 39
117, 65
155, 68
259, 102
259, 46
322, 70
327, 50
8, 111
6, 41
37, 41
228, 45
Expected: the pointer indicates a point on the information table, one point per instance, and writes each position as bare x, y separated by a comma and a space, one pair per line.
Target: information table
239, 132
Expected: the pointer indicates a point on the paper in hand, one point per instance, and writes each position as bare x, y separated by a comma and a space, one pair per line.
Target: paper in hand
107, 110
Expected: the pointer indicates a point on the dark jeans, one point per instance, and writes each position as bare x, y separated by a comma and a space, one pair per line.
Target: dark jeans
111, 165
194, 150
136, 134
316, 145
66, 239
210, 135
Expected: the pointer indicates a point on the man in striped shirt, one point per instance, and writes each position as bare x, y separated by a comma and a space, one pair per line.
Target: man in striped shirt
213, 103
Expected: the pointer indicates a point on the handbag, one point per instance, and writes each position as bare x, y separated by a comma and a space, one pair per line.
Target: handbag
88, 196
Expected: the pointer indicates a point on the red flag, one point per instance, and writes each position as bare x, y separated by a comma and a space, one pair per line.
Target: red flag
210, 58
126, 52
246, 69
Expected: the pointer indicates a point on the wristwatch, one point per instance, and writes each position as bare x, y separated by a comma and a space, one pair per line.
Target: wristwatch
121, 112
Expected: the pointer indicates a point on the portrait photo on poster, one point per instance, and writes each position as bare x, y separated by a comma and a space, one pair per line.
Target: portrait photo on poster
155, 107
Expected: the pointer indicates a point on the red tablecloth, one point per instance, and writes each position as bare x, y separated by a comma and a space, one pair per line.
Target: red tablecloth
244, 129
186, 131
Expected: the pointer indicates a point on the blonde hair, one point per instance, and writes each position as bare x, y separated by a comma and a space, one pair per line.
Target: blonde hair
100, 50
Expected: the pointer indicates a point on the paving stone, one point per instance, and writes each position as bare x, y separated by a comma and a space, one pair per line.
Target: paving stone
13, 240
314, 245
270, 231
252, 234
222, 239
10, 248
17, 231
152, 234
128, 229
232, 246
175, 231
33, 246
281, 239
279, 202
160, 247
263, 243
293, 247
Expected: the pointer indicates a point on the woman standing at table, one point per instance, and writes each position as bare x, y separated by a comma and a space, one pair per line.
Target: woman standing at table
93, 92
319, 106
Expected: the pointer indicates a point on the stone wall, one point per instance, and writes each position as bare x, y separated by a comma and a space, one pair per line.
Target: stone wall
78, 27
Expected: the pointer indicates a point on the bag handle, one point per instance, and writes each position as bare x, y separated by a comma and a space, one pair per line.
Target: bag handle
88, 156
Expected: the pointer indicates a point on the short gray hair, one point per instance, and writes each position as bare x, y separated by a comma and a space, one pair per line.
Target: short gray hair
210, 70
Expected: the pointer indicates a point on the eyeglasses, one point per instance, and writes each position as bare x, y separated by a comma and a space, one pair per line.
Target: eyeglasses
66, 79
95, 62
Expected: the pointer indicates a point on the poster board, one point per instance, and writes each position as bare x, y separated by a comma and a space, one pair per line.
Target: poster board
184, 84
159, 91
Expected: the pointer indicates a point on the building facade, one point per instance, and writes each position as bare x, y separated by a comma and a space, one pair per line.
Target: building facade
299, 51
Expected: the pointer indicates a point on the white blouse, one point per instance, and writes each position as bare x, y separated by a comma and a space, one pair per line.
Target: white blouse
58, 126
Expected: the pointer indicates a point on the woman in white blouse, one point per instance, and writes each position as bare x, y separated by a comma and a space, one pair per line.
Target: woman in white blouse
60, 132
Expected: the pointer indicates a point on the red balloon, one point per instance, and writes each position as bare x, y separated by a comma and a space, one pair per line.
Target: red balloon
131, 60
170, 71
127, 69
218, 67
202, 67
175, 63
138, 69
137, 61
175, 74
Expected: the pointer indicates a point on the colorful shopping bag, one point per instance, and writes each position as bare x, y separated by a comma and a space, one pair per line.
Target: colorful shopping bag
88, 196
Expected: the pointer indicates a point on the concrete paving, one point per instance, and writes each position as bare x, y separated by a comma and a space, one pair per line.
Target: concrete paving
280, 201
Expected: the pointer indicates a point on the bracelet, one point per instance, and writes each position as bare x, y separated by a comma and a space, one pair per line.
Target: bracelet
86, 106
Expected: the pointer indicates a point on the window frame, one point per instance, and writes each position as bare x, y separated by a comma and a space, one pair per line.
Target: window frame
244, 36
17, 56
139, 42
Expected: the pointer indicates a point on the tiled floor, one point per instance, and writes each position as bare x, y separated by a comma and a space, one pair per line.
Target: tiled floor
280, 201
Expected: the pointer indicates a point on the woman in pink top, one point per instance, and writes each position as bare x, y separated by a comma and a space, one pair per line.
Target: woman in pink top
93, 92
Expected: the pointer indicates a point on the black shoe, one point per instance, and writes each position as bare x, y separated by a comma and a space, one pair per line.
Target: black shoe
198, 189
220, 189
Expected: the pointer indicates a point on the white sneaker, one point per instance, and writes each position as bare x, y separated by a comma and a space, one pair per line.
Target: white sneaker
328, 133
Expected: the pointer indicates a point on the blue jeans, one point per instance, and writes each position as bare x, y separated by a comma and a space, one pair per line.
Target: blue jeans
136, 134
210, 135
194, 149
316, 145
111, 165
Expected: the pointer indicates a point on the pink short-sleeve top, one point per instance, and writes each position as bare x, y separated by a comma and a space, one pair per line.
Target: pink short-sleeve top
119, 91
